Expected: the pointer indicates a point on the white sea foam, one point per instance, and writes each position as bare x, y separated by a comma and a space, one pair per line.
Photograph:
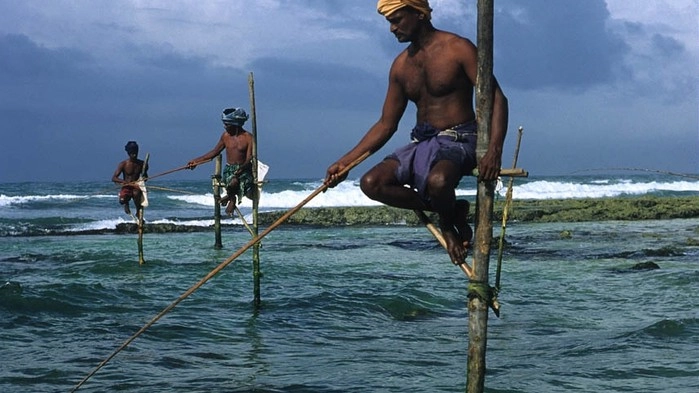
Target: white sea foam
564, 190
349, 193
73, 212
6, 200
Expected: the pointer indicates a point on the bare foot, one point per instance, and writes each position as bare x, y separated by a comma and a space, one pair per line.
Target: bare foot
126, 209
461, 223
455, 247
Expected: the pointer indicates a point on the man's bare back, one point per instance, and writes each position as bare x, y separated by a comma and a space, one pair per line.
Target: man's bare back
131, 171
128, 172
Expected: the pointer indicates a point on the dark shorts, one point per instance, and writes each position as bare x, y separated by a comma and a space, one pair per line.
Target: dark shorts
417, 159
126, 193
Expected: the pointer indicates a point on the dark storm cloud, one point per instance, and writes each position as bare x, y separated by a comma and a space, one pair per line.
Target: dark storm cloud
69, 104
62, 104
559, 44
293, 83
21, 58
57, 103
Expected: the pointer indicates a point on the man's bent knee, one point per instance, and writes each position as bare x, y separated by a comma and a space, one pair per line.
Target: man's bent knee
369, 185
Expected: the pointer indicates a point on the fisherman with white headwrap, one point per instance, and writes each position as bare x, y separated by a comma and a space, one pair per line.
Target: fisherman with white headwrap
437, 72
237, 174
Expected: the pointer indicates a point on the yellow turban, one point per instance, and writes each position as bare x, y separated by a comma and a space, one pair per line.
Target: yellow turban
387, 7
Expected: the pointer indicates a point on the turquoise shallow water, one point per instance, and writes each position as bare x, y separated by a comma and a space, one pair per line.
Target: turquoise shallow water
352, 310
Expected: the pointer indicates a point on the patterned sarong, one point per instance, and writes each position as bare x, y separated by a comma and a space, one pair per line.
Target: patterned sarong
245, 180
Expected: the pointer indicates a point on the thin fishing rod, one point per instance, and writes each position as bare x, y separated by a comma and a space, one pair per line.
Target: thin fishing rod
165, 173
220, 267
506, 209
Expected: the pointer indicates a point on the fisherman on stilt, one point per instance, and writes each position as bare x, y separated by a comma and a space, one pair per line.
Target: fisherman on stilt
238, 143
437, 72
132, 171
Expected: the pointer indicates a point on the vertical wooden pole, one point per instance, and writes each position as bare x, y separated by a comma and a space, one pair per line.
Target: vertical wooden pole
477, 306
218, 244
256, 197
141, 259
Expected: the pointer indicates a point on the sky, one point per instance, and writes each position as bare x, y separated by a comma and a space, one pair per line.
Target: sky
595, 84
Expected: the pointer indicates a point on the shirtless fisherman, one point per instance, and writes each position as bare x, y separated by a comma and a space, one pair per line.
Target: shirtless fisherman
131, 170
437, 72
237, 175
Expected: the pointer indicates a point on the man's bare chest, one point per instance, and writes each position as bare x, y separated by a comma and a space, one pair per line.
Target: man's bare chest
236, 142
432, 78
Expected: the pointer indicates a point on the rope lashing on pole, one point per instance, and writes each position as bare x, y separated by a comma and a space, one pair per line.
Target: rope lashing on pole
220, 267
485, 293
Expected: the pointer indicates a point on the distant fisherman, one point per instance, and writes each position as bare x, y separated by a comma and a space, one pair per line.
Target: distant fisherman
437, 72
131, 170
237, 175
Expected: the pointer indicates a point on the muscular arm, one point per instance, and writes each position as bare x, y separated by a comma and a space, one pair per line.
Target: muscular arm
117, 173
377, 136
490, 163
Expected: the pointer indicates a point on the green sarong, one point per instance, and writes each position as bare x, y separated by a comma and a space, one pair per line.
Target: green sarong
245, 181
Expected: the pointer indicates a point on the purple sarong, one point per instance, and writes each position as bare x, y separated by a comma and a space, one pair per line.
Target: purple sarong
429, 145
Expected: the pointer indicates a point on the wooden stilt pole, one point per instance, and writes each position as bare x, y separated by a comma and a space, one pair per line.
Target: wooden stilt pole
141, 259
218, 244
256, 273
478, 285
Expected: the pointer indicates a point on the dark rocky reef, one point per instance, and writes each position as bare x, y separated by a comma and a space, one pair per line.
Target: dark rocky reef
559, 210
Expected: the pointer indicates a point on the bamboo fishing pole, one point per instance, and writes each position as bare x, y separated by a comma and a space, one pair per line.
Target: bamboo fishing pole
167, 172
220, 267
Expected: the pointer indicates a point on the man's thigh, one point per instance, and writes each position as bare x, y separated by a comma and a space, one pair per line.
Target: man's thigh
383, 173
445, 173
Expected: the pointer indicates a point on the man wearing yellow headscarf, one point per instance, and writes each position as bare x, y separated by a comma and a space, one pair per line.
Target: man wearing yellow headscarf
437, 72
387, 7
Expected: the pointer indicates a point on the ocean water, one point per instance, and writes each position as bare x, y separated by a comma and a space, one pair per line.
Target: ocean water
344, 309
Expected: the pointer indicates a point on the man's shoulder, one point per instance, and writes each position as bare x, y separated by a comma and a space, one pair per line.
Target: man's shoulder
452, 38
